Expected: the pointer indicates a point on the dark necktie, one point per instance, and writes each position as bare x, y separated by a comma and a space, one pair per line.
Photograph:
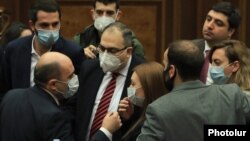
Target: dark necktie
204, 70
103, 105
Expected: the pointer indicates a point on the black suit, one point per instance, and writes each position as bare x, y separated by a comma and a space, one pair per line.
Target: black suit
90, 79
32, 114
17, 62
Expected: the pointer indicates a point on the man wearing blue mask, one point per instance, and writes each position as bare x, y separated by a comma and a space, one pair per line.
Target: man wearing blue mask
220, 24
22, 54
103, 13
104, 81
34, 113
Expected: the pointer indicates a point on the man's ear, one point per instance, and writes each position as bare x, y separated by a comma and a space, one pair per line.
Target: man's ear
129, 51
230, 33
92, 13
31, 25
172, 71
119, 14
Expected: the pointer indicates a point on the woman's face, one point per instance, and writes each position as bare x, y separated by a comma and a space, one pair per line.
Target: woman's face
26, 32
220, 59
135, 83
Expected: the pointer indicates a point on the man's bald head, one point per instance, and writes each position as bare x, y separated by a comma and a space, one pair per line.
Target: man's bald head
187, 58
50, 66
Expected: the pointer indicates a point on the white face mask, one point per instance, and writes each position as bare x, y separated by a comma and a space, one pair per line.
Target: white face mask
103, 21
138, 101
72, 84
109, 62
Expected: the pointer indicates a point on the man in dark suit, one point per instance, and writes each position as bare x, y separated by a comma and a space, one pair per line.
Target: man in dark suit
22, 54
191, 104
34, 113
116, 58
220, 24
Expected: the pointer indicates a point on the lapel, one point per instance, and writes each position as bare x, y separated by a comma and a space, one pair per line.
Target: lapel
25, 62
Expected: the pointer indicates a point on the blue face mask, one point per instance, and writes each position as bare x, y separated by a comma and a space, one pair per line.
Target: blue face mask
218, 75
48, 37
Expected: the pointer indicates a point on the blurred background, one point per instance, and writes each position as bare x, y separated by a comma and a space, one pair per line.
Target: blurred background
156, 23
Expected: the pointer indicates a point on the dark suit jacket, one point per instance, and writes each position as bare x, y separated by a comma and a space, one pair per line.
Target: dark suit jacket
90, 78
191, 105
31, 114
18, 60
200, 43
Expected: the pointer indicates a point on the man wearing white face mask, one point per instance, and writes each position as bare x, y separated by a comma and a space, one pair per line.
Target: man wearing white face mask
23, 54
104, 12
105, 78
37, 108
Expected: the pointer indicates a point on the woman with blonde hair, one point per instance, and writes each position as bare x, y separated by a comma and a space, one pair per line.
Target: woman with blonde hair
231, 64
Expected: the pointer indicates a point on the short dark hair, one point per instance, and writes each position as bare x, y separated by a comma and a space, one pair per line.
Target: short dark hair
187, 58
47, 6
227, 9
126, 32
106, 2
44, 73
13, 32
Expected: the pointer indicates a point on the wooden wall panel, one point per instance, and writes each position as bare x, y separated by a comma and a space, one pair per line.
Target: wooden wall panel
155, 22
143, 17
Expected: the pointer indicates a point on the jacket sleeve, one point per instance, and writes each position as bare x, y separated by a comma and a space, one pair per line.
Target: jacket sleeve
152, 128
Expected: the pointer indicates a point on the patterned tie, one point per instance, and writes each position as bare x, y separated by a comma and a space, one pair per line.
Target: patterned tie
204, 70
103, 105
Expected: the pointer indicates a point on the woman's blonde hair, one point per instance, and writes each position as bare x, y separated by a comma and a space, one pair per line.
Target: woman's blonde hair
237, 51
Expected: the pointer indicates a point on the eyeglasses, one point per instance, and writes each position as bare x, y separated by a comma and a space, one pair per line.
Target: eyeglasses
110, 50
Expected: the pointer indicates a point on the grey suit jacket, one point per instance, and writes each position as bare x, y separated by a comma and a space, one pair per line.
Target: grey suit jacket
181, 114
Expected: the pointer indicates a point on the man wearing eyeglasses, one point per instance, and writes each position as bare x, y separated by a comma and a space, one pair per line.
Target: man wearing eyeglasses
115, 64
103, 13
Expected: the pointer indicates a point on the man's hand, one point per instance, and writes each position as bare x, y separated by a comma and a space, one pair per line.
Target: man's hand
112, 122
125, 108
90, 51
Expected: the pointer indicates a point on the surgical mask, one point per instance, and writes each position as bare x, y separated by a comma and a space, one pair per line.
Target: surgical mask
47, 37
103, 21
109, 62
72, 85
218, 75
138, 101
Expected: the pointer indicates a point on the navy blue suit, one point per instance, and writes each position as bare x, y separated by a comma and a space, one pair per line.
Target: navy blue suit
90, 79
17, 62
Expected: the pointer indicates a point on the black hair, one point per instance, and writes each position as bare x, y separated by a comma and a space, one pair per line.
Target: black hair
106, 2
227, 9
47, 6
187, 58
13, 32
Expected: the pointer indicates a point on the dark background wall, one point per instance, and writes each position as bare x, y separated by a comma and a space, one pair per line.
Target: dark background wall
155, 22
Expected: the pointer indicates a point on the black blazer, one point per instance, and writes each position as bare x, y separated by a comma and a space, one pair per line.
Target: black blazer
90, 78
31, 114
18, 60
